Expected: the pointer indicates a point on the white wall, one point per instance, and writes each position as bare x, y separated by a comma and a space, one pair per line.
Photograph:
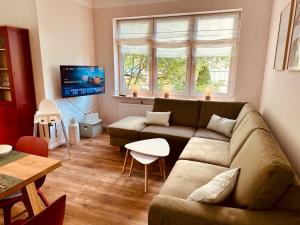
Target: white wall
280, 100
66, 38
22, 13
252, 52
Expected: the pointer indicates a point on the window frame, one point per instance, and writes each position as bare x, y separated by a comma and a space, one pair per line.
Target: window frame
191, 61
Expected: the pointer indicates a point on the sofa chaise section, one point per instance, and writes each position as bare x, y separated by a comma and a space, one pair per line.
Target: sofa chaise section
126, 130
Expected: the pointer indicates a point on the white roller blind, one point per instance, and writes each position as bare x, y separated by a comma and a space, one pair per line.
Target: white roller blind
133, 32
216, 27
139, 50
214, 51
173, 31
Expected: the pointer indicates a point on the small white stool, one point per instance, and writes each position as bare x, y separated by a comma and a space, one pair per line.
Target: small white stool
146, 152
48, 113
145, 160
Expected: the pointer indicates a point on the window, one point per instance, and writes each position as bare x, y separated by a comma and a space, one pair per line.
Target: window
185, 54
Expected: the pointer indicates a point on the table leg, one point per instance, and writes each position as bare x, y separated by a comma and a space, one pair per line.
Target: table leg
125, 161
146, 178
164, 168
131, 166
31, 200
160, 166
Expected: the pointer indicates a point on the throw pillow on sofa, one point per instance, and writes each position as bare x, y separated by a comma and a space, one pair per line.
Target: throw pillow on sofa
218, 189
157, 118
221, 125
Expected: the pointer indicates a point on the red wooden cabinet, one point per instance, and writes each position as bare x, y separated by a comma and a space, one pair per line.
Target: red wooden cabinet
17, 98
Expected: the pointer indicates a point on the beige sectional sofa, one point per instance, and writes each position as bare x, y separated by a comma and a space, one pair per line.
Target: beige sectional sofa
267, 190
188, 119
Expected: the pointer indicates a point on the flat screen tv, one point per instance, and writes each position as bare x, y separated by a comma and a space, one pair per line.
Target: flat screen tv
81, 80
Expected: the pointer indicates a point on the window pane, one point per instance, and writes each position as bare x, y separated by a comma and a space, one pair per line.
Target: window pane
216, 27
134, 29
172, 68
135, 67
213, 68
172, 29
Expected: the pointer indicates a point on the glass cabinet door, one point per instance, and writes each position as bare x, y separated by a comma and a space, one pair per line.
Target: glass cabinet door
5, 88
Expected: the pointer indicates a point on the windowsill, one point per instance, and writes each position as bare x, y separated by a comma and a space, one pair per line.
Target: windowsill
138, 97
216, 98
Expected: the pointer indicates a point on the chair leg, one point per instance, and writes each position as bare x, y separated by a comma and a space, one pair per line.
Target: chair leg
131, 166
160, 167
66, 137
146, 178
164, 168
125, 161
43, 197
7, 214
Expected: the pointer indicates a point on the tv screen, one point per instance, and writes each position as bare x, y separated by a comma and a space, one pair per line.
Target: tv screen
81, 80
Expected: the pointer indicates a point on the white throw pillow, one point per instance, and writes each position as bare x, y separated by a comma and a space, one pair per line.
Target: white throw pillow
158, 118
218, 189
221, 125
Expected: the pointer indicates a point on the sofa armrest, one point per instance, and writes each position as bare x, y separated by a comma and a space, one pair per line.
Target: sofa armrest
166, 210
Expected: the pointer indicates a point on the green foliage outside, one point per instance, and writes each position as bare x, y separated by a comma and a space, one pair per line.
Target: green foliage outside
203, 74
136, 70
172, 71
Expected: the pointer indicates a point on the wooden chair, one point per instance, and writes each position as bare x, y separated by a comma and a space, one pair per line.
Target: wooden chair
52, 215
31, 145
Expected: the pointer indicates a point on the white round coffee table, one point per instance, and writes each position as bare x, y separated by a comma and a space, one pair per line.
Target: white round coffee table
146, 152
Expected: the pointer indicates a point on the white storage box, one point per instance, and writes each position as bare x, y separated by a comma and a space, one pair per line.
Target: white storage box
91, 129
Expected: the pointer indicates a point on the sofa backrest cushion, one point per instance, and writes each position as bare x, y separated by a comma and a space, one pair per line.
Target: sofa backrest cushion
265, 173
183, 112
252, 121
228, 110
245, 110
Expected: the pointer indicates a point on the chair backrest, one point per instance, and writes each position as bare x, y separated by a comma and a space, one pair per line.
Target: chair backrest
33, 145
48, 106
52, 215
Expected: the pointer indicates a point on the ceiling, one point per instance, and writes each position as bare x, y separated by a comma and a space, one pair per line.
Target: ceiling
116, 3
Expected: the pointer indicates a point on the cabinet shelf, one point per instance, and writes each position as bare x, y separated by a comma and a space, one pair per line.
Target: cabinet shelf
2, 49
4, 69
4, 88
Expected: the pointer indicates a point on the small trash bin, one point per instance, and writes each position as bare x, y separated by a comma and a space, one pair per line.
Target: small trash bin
91, 129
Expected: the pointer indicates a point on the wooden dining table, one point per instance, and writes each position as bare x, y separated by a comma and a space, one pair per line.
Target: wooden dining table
19, 171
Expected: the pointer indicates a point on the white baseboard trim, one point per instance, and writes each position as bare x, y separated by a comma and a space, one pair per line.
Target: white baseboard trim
56, 144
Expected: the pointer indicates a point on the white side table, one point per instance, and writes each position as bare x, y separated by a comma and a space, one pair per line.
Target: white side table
147, 152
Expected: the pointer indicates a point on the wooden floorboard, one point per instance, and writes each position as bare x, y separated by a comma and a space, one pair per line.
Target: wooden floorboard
97, 192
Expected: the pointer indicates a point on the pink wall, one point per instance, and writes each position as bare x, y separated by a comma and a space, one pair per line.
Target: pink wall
280, 100
23, 14
66, 38
252, 51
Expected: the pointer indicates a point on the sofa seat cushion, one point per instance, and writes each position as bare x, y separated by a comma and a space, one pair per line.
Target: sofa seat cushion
205, 133
187, 176
207, 151
265, 173
128, 127
172, 133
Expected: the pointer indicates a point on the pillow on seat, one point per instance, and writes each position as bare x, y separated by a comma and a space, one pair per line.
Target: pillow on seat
221, 125
218, 189
158, 118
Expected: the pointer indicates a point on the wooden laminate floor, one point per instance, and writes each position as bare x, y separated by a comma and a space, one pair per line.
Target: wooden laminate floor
97, 192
